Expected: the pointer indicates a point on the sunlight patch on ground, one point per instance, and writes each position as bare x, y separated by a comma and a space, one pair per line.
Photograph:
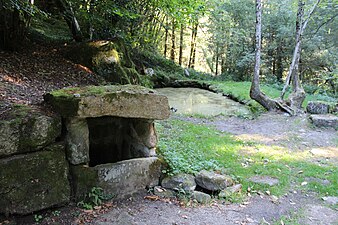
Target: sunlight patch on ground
258, 138
330, 152
266, 151
13, 80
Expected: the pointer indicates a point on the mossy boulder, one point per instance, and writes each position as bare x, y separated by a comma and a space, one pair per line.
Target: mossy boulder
27, 130
108, 58
34, 181
127, 101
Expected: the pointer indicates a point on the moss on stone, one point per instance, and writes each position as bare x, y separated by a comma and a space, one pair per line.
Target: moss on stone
34, 181
27, 129
109, 59
83, 179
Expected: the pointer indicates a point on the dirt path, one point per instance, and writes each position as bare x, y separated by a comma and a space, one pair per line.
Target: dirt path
294, 207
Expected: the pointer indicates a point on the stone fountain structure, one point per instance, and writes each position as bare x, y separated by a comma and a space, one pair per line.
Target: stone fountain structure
110, 136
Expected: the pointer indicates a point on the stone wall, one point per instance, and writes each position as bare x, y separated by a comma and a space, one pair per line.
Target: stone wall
46, 160
33, 168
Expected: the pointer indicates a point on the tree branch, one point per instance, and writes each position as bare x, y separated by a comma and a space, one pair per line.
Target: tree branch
324, 23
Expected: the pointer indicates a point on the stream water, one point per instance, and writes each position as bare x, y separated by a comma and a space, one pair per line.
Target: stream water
202, 102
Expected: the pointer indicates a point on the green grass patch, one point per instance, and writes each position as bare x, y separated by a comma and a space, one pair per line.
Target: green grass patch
189, 148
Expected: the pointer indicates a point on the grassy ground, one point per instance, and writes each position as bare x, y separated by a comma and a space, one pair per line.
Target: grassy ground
189, 147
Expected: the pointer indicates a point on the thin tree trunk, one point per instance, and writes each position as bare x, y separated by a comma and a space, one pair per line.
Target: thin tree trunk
279, 63
68, 14
299, 33
180, 57
255, 92
298, 95
13, 25
193, 46
173, 37
166, 38
216, 60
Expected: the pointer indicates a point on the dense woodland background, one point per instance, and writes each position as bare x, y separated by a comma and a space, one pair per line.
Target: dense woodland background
215, 38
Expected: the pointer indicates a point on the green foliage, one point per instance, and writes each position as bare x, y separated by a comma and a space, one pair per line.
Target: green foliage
94, 198
56, 213
23, 7
49, 29
38, 218
190, 158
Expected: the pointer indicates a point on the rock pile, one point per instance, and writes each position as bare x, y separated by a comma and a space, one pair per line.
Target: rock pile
320, 114
200, 187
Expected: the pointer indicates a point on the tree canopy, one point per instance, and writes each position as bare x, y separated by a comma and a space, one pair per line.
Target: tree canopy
214, 36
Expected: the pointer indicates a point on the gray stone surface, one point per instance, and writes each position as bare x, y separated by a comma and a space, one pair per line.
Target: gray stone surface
212, 181
271, 181
34, 181
230, 190
27, 133
332, 200
77, 141
318, 180
317, 108
146, 132
163, 192
325, 120
127, 101
180, 181
120, 179
318, 215
201, 197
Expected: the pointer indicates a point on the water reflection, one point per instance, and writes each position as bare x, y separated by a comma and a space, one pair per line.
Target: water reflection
199, 101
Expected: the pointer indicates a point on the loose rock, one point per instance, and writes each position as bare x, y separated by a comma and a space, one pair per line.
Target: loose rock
212, 181
332, 200
201, 197
180, 181
325, 120
163, 192
317, 108
230, 190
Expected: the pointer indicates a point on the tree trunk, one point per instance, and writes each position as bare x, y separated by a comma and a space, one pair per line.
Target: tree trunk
68, 14
173, 37
296, 98
298, 95
216, 60
166, 38
193, 46
180, 57
12, 26
279, 62
255, 92
300, 27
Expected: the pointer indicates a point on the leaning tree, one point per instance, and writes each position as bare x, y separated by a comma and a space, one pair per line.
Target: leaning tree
293, 103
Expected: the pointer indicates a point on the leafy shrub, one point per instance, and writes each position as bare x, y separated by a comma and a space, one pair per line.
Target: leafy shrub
94, 198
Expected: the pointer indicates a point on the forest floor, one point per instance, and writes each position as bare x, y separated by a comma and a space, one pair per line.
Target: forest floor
26, 76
